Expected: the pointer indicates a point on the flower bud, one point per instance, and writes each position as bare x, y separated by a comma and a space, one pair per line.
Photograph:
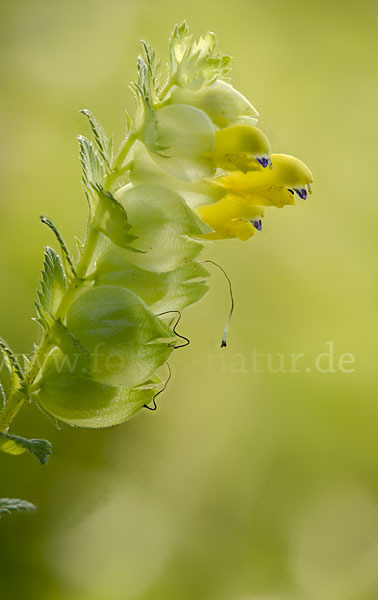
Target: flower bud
220, 101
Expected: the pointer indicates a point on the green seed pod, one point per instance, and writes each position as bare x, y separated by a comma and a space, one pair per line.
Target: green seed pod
124, 339
70, 396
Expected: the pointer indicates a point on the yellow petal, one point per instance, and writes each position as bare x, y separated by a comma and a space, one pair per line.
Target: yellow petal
237, 147
230, 218
269, 187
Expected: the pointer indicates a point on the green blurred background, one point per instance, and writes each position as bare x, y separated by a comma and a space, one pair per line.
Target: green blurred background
244, 485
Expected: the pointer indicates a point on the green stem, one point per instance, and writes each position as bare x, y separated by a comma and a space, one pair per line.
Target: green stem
120, 158
17, 398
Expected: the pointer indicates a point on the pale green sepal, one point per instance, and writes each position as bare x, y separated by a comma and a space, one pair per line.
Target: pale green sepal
164, 224
187, 136
14, 444
79, 400
145, 171
123, 337
172, 290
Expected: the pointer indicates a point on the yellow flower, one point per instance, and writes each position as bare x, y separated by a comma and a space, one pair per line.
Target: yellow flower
231, 217
239, 213
241, 148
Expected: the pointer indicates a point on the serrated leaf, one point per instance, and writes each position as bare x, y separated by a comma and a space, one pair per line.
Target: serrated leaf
115, 224
93, 169
15, 445
53, 283
153, 65
17, 376
102, 141
195, 63
68, 263
9, 505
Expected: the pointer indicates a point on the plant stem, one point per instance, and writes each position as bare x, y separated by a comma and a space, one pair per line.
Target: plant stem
17, 398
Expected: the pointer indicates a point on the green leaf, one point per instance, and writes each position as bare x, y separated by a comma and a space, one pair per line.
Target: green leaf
93, 169
68, 263
102, 141
14, 444
114, 224
17, 376
53, 284
9, 505
194, 64
153, 66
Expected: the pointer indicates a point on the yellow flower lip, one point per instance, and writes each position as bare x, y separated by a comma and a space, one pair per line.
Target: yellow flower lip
231, 217
240, 148
241, 139
295, 173
291, 170
270, 187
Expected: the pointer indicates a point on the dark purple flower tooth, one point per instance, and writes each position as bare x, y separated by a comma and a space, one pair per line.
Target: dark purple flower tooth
257, 224
264, 161
302, 193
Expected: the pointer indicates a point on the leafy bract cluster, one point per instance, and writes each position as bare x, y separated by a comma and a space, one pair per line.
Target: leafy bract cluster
193, 166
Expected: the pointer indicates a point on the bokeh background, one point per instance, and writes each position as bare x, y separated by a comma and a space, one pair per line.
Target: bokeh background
244, 485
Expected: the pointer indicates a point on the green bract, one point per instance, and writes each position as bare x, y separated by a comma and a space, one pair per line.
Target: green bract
193, 167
